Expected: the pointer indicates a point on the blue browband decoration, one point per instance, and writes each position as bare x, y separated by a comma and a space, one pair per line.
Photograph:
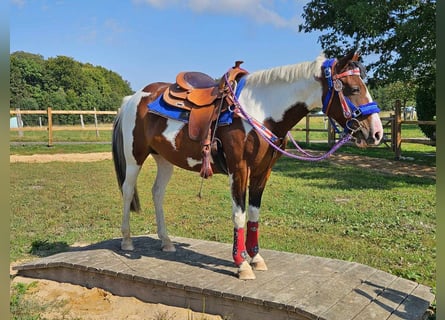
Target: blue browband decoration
354, 111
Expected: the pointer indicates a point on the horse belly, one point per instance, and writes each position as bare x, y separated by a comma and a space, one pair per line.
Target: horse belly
174, 145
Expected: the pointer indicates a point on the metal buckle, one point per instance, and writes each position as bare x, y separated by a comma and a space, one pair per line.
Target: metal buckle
338, 85
349, 126
356, 113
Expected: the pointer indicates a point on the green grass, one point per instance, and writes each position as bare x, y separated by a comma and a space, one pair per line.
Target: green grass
387, 222
24, 306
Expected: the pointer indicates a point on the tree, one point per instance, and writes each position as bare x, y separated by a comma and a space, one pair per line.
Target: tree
63, 83
401, 33
26, 76
398, 90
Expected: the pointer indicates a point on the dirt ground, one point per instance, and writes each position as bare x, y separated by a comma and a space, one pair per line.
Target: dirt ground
67, 301
381, 165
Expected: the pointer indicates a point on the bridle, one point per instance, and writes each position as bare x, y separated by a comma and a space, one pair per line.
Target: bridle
335, 88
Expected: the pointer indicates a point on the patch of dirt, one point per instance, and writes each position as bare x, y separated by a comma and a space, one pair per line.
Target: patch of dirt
64, 157
381, 165
386, 166
68, 301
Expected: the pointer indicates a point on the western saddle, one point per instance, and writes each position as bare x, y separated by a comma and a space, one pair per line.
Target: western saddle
204, 98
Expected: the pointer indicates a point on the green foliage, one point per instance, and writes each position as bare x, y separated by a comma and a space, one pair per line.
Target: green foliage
426, 105
387, 95
64, 84
401, 33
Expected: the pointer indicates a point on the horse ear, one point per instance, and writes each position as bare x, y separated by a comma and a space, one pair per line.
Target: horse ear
356, 55
352, 55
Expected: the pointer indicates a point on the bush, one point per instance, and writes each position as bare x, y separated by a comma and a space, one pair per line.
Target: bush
426, 105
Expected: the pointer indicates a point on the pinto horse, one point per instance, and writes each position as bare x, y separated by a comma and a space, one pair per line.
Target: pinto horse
277, 99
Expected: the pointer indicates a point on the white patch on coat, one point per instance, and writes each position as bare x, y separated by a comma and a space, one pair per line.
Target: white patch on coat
269, 93
254, 213
171, 132
238, 215
192, 162
128, 118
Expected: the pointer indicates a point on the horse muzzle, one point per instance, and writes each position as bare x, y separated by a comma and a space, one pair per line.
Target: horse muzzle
362, 135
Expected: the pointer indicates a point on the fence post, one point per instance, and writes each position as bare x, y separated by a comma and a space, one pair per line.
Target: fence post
19, 121
50, 127
397, 132
95, 123
307, 128
331, 134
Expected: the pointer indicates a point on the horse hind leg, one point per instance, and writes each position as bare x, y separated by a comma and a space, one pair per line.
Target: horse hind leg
163, 175
128, 193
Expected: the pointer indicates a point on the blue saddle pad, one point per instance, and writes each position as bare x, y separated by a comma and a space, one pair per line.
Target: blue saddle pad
160, 107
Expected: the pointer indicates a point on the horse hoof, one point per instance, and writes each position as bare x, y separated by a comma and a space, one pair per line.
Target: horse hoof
169, 248
127, 245
258, 263
245, 272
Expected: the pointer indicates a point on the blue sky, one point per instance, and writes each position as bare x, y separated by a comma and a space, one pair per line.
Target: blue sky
152, 40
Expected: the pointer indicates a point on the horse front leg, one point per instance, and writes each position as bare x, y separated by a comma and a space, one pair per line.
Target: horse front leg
256, 189
238, 186
163, 175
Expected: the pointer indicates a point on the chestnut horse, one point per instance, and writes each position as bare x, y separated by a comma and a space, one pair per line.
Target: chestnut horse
277, 99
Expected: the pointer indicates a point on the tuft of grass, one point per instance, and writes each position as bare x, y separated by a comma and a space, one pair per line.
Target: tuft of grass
21, 306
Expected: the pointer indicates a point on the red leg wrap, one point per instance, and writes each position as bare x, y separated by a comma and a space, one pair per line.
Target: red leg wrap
252, 238
239, 248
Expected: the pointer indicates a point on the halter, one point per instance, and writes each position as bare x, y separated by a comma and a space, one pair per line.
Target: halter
335, 86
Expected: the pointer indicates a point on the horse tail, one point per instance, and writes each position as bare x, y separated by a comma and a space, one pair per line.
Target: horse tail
120, 164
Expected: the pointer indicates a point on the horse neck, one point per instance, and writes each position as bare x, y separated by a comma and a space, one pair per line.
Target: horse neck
281, 105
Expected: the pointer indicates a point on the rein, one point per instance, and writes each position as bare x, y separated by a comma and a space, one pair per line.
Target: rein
269, 136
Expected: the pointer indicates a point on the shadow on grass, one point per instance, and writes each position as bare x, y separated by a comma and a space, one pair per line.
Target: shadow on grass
44, 248
345, 177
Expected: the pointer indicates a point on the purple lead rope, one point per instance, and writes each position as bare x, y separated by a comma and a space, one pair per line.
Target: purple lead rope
260, 131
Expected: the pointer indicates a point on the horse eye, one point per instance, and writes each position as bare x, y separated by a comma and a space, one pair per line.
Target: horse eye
355, 90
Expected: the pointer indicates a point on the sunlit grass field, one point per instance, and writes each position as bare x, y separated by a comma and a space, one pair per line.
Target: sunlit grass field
387, 222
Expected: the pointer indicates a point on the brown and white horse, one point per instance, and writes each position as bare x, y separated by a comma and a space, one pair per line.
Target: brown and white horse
278, 98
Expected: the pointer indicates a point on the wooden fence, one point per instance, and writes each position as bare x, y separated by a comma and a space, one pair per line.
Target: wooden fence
394, 122
392, 126
51, 128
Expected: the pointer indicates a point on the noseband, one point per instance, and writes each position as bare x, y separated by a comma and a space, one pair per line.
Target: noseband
335, 87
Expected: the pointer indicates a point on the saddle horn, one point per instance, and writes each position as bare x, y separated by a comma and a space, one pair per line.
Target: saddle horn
237, 64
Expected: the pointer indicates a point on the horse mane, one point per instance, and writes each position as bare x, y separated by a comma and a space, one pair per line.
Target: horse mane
288, 73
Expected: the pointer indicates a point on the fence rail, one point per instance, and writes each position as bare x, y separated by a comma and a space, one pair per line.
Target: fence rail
49, 112
393, 123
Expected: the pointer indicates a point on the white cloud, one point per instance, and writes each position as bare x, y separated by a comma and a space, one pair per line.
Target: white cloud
260, 11
18, 3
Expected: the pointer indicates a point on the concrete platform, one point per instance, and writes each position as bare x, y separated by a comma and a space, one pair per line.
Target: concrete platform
202, 277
